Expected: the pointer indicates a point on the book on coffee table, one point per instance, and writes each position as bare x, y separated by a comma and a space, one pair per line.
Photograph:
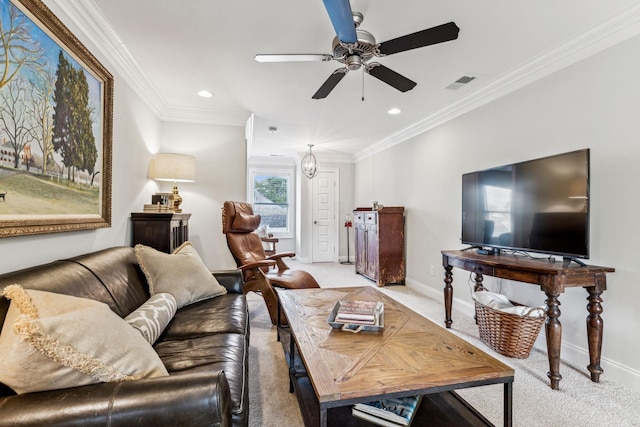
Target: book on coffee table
364, 312
389, 412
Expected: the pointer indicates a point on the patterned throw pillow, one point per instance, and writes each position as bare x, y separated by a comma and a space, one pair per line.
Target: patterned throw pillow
182, 274
51, 341
152, 317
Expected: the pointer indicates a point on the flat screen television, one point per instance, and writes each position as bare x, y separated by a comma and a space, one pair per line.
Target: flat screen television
539, 205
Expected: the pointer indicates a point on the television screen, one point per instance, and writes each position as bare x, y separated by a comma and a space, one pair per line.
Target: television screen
540, 205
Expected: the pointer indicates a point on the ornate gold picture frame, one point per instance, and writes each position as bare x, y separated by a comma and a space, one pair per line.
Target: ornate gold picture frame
56, 126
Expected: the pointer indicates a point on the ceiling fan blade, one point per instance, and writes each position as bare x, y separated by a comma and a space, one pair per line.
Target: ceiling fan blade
390, 77
330, 83
342, 19
303, 57
434, 35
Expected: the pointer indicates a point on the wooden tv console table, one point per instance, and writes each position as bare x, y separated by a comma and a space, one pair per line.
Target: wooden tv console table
553, 278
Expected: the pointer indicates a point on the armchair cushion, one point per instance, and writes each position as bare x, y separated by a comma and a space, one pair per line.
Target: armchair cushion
182, 274
245, 222
52, 341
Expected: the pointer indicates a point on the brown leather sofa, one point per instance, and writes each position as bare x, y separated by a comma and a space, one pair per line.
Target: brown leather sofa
205, 349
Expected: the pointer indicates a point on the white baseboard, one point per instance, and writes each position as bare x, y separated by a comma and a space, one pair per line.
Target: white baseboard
571, 353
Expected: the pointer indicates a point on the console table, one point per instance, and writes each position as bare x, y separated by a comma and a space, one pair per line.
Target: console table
552, 277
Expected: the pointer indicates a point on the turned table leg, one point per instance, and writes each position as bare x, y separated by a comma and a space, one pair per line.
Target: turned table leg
553, 330
448, 295
594, 332
479, 278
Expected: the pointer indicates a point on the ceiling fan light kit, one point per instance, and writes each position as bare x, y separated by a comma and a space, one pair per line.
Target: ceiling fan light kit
354, 47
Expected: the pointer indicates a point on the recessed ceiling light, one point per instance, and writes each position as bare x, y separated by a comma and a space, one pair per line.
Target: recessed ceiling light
394, 111
205, 93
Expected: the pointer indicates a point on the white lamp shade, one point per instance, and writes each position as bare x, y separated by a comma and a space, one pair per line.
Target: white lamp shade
173, 167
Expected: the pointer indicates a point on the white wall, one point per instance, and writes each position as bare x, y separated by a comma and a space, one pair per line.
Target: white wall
345, 173
136, 130
593, 104
137, 134
220, 152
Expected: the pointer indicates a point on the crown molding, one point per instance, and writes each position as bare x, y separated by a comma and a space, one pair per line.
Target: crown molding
621, 26
618, 28
93, 24
208, 116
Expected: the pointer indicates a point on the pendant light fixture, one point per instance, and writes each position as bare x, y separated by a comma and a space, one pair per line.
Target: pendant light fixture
309, 164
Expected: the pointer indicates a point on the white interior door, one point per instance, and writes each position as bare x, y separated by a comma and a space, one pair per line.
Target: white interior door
324, 217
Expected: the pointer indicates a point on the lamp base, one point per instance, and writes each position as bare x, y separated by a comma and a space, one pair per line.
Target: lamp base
176, 200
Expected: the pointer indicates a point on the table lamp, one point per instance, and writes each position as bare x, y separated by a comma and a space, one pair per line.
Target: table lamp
176, 168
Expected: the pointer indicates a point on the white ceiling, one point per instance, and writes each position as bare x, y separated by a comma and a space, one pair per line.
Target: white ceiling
169, 50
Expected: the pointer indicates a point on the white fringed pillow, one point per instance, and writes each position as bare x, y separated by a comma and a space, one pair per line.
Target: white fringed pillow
182, 274
52, 341
152, 317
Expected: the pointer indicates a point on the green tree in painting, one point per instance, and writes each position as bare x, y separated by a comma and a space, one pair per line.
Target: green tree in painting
72, 122
82, 129
273, 188
62, 114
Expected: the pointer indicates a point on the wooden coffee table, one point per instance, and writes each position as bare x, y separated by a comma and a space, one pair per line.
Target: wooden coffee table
410, 356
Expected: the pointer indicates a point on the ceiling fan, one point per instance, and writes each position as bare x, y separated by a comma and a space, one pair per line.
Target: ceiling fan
354, 48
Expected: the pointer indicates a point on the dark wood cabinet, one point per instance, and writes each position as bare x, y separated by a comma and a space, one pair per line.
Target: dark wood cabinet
379, 244
162, 231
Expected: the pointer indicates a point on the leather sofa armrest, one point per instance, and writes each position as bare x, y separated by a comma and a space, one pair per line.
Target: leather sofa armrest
195, 399
230, 279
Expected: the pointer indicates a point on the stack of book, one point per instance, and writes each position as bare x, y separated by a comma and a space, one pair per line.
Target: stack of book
360, 312
388, 412
156, 208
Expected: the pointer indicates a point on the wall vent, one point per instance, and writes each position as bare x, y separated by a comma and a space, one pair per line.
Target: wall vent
461, 82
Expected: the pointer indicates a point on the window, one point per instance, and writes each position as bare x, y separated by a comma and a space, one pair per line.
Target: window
271, 198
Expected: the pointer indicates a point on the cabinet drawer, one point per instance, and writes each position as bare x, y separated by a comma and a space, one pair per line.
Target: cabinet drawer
478, 268
371, 218
358, 217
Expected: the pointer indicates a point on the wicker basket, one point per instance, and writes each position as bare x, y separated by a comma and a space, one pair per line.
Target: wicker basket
508, 334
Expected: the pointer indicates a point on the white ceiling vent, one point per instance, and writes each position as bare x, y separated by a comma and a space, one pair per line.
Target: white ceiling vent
461, 82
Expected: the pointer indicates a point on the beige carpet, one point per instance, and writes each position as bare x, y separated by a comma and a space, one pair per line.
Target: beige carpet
579, 402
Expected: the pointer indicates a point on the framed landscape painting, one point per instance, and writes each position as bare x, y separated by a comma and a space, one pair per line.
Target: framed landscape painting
56, 120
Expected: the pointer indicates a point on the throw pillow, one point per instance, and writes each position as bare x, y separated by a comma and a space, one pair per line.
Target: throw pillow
152, 317
52, 341
263, 232
182, 274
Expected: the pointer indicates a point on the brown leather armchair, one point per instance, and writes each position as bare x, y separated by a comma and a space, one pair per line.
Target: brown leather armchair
239, 225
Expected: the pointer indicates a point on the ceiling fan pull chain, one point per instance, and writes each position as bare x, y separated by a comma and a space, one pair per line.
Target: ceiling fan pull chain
363, 84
